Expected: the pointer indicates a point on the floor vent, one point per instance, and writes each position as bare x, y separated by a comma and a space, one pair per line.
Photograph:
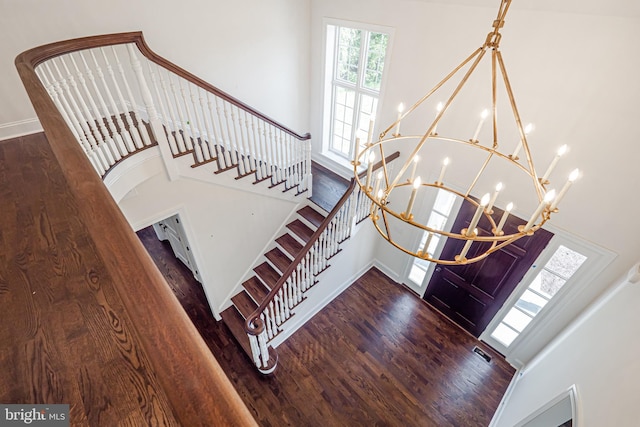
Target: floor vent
482, 354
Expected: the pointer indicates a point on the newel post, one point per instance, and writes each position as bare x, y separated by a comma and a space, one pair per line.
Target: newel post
257, 333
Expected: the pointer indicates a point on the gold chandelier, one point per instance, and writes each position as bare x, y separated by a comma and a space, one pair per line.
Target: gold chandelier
403, 187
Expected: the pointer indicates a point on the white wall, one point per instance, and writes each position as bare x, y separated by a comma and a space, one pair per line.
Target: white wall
599, 354
256, 51
573, 75
225, 241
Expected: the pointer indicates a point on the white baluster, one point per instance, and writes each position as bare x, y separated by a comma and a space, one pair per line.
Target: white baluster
264, 351
230, 135
278, 311
267, 322
251, 142
255, 349
290, 286
259, 154
267, 326
238, 140
308, 185
280, 155
196, 134
210, 139
304, 263
222, 122
274, 317
185, 101
177, 97
173, 130
244, 143
154, 120
215, 123
283, 305
264, 129
128, 141
170, 137
299, 284
142, 129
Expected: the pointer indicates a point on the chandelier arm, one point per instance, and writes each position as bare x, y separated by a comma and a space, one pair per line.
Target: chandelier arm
484, 166
383, 163
525, 146
386, 223
494, 95
479, 54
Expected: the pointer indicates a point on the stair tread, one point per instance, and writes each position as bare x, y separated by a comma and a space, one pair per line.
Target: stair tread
301, 230
311, 215
256, 289
267, 274
244, 303
289, 244
235, 322
279, 259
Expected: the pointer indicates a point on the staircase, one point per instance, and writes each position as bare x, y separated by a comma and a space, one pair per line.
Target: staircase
114, 113
267, 274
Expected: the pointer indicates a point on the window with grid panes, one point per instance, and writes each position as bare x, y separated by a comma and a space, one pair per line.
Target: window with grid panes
358, 57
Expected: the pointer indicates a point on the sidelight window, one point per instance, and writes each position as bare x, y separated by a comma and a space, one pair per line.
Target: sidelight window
438, 217
562, 265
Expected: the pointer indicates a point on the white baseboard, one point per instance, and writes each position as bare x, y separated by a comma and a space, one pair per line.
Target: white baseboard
387, 271
19, 128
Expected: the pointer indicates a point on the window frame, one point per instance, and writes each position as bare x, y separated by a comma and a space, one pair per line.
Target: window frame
597, 259
330, 82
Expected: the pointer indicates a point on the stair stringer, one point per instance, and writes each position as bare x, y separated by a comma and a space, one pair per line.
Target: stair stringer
355, 258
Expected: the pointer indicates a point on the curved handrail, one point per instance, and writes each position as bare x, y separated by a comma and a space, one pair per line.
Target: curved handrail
253, 324
196, 386
42, 53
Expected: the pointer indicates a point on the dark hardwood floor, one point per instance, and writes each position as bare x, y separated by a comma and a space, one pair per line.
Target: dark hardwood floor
376, 355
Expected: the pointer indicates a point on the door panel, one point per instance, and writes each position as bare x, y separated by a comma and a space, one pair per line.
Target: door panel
472, 294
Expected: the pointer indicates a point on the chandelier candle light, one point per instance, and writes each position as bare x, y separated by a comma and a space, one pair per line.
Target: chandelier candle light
492, 158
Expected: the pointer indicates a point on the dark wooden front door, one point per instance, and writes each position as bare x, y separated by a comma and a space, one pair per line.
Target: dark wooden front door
472, 294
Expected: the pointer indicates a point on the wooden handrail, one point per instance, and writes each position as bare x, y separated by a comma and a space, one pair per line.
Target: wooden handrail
195, 385
42, 53
253, 324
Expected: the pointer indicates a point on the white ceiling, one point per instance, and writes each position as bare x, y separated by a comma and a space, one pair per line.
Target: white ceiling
621, 8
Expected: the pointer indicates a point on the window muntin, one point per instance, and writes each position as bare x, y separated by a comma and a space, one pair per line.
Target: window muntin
358, 64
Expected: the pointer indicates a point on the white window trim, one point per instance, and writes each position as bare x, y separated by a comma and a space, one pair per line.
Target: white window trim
597, 259
336, 161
